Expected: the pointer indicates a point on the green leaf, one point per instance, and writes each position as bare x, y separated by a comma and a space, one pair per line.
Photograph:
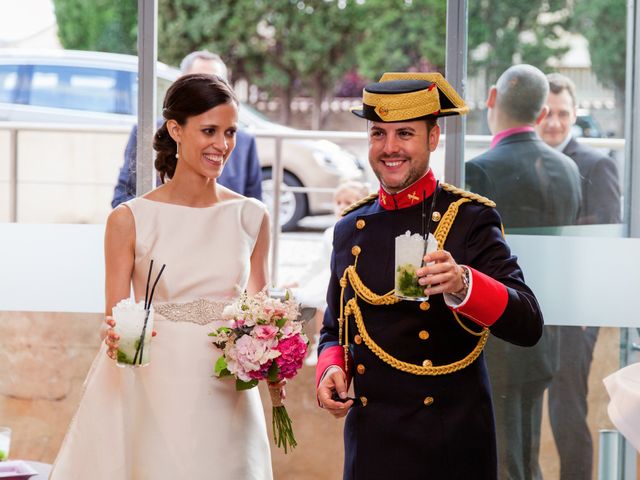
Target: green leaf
274, 372
242, 385
280, 322
221, 364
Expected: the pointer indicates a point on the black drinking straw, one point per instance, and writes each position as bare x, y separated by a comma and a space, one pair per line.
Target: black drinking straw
140, 350
425, 235
146, 292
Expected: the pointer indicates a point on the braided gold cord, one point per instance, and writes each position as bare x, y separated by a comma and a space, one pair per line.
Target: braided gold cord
362, 291
446, 222
470, 195
352, 307
367, 295
467, 329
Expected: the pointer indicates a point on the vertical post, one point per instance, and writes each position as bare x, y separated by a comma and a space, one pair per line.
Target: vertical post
13, 175
276, 229
456, 74
608, 454
627, 457
632, 105
147, 55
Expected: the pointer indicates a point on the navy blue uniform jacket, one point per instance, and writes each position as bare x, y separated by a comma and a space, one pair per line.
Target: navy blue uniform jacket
412, 426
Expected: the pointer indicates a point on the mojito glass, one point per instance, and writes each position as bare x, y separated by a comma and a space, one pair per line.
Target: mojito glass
410, 250
134, 325
5, 442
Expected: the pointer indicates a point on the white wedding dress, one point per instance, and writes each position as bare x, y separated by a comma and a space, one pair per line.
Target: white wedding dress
174, 419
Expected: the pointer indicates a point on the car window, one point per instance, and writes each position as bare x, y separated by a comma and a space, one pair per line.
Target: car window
8, 82
78, 88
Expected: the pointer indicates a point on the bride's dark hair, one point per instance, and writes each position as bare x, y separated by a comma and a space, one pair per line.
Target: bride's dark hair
188, 96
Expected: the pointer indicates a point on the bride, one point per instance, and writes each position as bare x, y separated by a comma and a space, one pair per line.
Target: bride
174, 418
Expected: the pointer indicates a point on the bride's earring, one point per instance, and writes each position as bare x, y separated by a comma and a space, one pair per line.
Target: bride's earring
177, 150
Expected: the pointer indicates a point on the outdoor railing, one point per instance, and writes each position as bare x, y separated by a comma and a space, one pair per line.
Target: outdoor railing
15, 128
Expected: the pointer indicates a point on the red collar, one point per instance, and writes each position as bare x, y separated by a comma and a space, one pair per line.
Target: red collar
410, 196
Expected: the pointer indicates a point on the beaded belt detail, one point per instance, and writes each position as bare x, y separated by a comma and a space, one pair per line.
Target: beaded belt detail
201, 311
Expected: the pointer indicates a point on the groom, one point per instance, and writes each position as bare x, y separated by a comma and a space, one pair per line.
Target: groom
422, 406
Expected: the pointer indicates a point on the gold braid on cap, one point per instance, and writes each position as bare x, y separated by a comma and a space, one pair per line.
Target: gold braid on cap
351, 307
403, 106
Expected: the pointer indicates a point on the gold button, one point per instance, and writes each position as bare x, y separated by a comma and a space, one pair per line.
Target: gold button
435, 216
360, 224
424, 306
360, 369
427, 363
423, 334
364, 401
428, 401
383, 111
343, 282
357, 339
355, 251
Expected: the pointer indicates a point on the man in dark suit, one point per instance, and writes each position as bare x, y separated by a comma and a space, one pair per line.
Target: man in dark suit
600, 205
241, 173
422, 406
533, 186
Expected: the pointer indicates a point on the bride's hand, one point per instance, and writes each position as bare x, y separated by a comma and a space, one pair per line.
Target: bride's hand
110, 337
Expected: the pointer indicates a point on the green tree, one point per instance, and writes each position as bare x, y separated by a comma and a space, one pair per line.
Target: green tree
402, 35
516, 31
285, 47
102, 25
603, 24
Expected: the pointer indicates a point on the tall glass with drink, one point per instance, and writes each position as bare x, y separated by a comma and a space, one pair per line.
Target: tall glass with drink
5, 442
134, 325
410, 251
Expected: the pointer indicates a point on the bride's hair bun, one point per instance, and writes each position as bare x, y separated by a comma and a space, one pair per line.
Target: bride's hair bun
188, 96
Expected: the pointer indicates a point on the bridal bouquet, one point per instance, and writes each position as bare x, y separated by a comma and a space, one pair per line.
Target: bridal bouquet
264, 341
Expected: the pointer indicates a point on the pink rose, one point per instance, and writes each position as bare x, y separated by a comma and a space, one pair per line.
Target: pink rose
265, 332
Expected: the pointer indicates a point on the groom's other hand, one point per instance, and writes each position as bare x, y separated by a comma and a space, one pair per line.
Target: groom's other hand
334, 381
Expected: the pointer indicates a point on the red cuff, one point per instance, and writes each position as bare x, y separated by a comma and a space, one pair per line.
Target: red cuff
487, 300
328, 357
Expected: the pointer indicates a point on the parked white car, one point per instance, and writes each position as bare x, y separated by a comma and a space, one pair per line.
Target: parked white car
65, 86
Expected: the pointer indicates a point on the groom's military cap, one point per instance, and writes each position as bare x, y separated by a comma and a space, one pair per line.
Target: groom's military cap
401, 97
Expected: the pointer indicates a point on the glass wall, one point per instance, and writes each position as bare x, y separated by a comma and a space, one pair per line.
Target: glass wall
562, 209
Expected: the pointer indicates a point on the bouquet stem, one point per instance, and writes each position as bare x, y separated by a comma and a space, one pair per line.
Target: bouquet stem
281, 422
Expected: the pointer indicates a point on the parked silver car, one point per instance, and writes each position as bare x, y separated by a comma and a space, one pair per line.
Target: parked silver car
68, 86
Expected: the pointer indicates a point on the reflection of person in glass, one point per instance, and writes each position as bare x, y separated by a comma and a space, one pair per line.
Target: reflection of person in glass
600, 204
533, 185
422, 405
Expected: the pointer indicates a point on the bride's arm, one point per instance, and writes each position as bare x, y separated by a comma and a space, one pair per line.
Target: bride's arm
119, 245
260, 259
119, 250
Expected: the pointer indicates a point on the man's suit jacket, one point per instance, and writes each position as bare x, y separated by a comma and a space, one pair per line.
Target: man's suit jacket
241, 173
533, 185
600, 184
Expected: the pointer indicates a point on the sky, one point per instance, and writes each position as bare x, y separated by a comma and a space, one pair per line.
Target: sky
22, 18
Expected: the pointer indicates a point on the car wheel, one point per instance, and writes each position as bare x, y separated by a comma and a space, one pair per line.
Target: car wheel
293, 205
